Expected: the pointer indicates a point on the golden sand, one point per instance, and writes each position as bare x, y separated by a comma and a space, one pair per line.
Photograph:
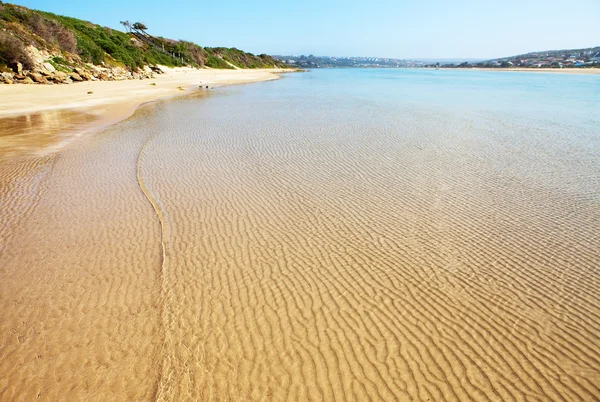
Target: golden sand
215, 257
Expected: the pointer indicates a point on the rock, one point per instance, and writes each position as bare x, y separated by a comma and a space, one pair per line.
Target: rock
83, 73
76, 77
45, 73
6, 78
60, 77
37, 56
25, 80
49, 67
90, 92
39, 78
18, 67
103, 76
157, 69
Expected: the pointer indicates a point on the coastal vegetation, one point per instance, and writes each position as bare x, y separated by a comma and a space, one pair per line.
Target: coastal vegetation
26, 35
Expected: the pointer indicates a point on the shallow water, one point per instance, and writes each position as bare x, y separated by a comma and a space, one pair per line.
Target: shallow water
334, 235
40, 133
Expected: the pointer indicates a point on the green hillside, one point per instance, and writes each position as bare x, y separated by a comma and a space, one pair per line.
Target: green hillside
72, 41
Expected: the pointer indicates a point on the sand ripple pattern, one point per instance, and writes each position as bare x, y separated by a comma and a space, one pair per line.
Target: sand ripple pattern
412, 256
255, 246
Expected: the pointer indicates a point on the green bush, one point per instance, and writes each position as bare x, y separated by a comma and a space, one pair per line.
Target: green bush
216, 62
93, 43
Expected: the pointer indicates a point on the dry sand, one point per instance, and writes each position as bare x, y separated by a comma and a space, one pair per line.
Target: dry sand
119, 97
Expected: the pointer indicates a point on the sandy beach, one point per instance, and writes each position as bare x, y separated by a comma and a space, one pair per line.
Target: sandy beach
114, 97
306, 239
35, 119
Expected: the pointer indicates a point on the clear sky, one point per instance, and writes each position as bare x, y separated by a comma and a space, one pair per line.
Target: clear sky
384, 28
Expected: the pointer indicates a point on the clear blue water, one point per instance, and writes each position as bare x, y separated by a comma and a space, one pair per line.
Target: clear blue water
541, 127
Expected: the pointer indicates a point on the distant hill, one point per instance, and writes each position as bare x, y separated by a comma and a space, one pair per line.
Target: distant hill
568, 58
564, 53
37, 41
586, 57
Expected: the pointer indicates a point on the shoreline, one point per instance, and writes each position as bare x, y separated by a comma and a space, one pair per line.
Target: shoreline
52, 116
581, 71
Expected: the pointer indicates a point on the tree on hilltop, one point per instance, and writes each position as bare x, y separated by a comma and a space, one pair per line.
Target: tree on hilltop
140, 26
127, 25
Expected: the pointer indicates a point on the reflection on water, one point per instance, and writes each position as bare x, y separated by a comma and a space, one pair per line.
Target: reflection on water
28, 135
41, 133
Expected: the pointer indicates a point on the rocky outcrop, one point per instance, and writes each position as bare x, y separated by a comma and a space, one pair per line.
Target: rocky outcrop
39, 78
7, 78
49, 68
76, 77
54, 69
22, 79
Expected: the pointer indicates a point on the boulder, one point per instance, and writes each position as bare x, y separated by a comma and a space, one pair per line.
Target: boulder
39, 78
60, 77
25, 80
103, 76
17, 67
49, 67
36, 55
76, 77
6, 78
83, 73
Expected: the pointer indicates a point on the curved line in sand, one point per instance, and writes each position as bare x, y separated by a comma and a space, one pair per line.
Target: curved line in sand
163, 264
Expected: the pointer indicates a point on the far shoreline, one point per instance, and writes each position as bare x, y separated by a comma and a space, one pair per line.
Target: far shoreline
581, 71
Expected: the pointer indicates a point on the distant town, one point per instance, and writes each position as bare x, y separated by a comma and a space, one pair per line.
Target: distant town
312, 61
571, 58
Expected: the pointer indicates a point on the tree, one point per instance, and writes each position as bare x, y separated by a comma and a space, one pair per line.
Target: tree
127, 25
140, 26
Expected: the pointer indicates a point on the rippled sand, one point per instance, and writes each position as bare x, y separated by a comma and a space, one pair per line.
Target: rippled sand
244, 249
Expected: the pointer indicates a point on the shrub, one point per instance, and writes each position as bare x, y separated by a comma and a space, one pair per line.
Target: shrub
12, 51
66, 39
216, 62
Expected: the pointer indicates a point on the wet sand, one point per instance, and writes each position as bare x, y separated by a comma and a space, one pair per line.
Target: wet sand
40, 119
239, 248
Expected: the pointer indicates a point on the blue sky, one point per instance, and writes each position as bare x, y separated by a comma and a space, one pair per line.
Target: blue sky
385, 28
